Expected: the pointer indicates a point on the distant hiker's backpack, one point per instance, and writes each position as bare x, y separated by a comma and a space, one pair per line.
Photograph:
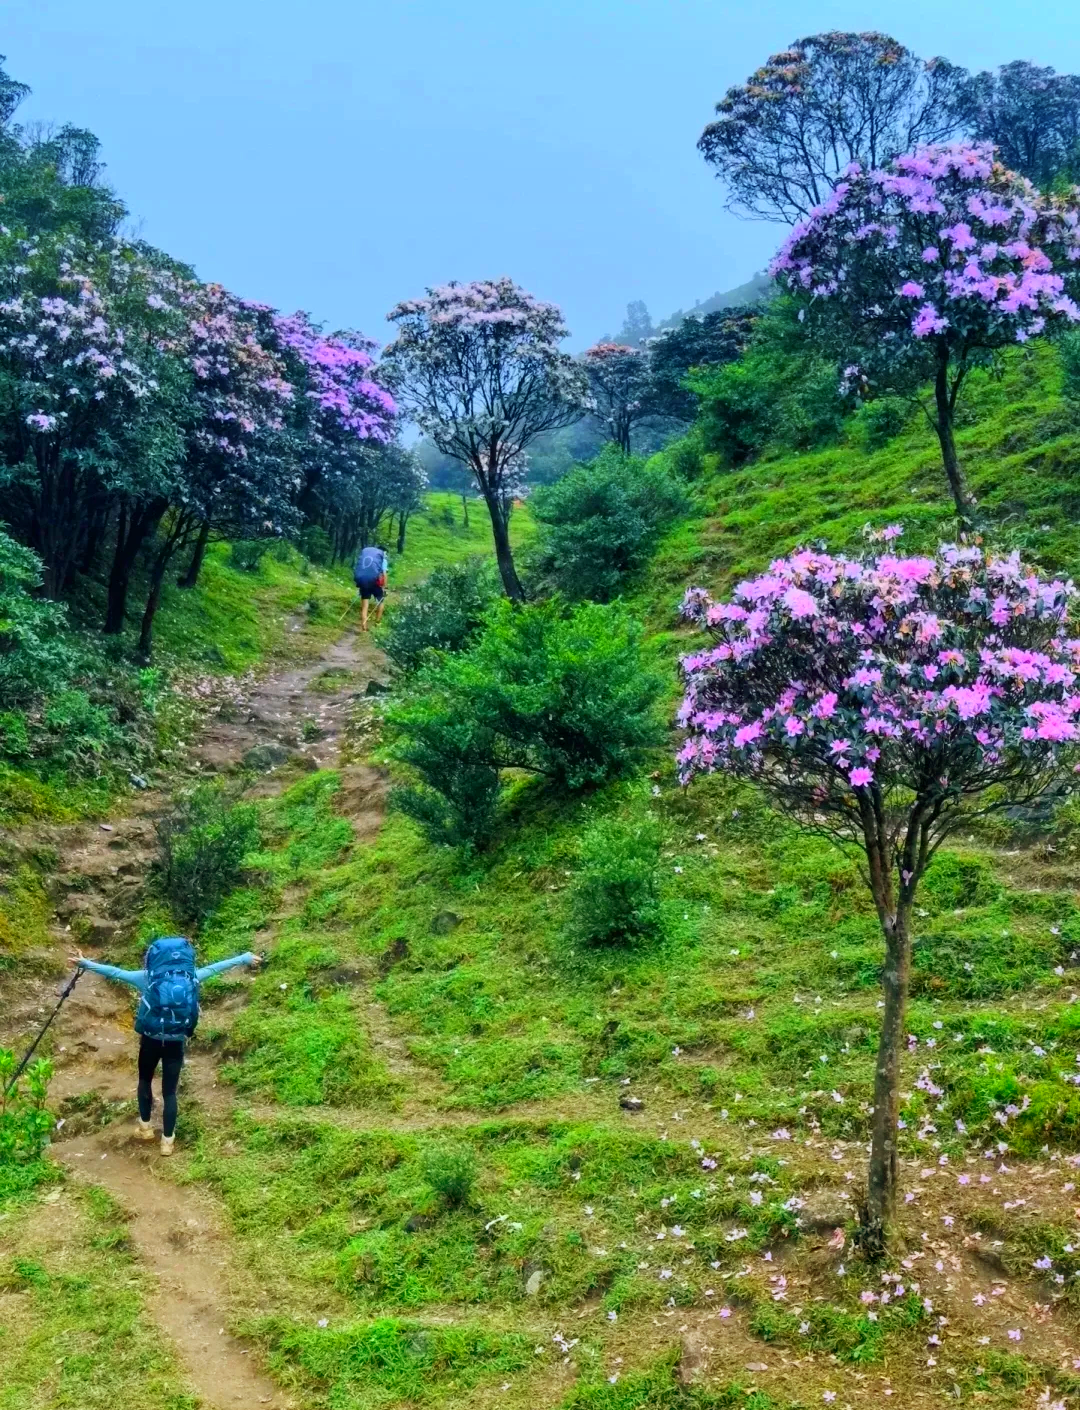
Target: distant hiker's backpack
371, 566
169, 1006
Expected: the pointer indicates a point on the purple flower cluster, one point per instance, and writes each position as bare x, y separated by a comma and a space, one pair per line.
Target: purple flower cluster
978, 251
840, 675
337, 371
68, 320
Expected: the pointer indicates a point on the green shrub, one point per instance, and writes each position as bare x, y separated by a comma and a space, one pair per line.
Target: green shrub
314, 543
614, 895
34, 655
202, 844
877, 422
246, 555
776, 392
1069, 348
457, 802
563, 693
600, 522
24, 1122
443, 614
78, 734
451, 1170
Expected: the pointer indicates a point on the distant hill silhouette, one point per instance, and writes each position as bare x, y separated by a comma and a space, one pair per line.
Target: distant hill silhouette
748, 293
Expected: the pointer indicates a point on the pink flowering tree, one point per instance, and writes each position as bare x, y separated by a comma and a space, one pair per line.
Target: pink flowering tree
879, 700
478, 367
84, 330
619, 382
344, 423
916, 273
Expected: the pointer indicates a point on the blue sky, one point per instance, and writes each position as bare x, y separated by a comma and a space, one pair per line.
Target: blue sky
338, 155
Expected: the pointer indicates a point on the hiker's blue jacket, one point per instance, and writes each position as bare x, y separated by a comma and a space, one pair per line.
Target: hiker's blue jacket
137, 977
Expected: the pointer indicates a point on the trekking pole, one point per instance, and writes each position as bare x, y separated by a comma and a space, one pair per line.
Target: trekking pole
348, 608
30, 1051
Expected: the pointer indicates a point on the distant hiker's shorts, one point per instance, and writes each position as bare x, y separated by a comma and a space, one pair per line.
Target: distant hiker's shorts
371, 587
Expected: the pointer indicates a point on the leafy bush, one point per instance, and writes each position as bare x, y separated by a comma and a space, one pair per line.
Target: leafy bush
614, 895
247, 554
315, 545
78, 734
451, 1170
443, 614
1069, 347
24, 1122
34, 656
777, 391
559, 692
457, 803
600, 522
202, 844
877, 422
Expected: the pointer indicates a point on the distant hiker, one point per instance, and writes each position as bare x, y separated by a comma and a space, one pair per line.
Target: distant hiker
168, 1011
370, 578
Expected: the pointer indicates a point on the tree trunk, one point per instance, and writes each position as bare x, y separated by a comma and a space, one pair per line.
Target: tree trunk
403, 519
191, 577
884, 1161
945, 399
153, 601
503, 553
133, 527
465, 509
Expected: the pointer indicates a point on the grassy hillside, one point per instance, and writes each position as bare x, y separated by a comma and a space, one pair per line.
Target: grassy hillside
602, 1255
423, 1013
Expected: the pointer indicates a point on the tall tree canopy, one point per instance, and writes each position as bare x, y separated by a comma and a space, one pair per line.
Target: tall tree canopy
1031, 115
782, 139
479, 368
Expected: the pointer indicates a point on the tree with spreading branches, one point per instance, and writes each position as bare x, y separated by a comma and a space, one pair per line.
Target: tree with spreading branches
479, 368
782, 140
914, 274
885, 701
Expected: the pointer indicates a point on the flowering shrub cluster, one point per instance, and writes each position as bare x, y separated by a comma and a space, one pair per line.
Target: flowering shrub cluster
837, 676
479, 369
880, 699
926, 267
337, 371
619, 380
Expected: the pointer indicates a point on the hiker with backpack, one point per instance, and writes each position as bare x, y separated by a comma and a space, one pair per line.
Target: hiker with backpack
369, 575
168, 1011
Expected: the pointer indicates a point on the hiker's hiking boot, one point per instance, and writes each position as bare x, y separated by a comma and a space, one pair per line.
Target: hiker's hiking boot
167, 1145
144, 1131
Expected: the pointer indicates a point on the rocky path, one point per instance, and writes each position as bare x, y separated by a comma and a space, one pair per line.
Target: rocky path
297, 718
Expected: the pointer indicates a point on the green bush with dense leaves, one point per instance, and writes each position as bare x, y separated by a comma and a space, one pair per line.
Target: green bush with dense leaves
444, 613
202, 844
600, 523
451, 1170
34, 655
562, 692
24, 1122
614, 895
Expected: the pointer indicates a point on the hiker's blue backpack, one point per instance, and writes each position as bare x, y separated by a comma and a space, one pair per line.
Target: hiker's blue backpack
169, 1006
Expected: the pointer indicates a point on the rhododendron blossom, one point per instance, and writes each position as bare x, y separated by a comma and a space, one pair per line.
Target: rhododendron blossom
925, 268
479, 368
879, 698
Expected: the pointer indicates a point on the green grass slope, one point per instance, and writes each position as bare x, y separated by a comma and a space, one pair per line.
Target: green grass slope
675, 1258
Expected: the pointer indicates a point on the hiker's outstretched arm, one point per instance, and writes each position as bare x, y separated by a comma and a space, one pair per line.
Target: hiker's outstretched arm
206, 970
135, 977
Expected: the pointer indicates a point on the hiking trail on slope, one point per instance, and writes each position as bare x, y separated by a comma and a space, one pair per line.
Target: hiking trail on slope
96, 894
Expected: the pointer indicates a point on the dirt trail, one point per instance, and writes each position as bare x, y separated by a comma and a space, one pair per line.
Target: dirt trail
295, 718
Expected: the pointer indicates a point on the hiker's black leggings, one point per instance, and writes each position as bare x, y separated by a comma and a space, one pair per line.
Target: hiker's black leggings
171, 1056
